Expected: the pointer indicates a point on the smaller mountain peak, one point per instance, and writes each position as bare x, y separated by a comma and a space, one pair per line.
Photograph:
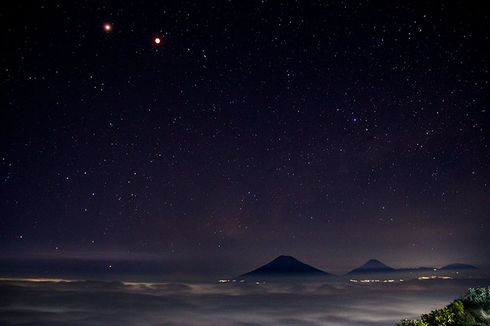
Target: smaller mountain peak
374, 263
456, 266
285, 257
372, 266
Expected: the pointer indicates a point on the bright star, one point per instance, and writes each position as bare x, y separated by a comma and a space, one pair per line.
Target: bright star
107, 27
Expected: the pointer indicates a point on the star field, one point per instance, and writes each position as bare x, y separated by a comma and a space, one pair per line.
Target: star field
334, 131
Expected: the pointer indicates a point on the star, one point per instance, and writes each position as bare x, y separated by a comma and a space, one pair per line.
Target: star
107, 27
157, 40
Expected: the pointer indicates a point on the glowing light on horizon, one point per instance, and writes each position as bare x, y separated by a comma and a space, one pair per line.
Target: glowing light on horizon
375, 281
433, 277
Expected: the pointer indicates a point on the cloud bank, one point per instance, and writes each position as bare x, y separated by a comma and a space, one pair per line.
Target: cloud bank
55, 302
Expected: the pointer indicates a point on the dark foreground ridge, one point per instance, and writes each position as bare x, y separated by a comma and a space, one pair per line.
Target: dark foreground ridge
285, 267
473, 309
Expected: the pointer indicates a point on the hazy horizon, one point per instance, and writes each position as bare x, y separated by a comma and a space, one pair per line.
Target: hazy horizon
158, 267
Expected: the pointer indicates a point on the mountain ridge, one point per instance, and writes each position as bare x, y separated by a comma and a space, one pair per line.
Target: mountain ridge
458, 266
285, 266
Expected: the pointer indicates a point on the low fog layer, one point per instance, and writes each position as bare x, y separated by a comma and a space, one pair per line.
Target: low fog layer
30, 302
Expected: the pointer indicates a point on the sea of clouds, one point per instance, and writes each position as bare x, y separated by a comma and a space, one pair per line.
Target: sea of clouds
55, 302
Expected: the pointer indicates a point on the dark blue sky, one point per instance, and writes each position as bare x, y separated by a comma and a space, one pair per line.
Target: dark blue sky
334, 131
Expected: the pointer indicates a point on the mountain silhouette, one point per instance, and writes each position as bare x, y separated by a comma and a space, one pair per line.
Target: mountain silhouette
372, 266
458, 266
285, 267
416, 269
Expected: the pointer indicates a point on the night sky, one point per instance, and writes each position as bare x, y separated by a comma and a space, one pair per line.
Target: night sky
334, 131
